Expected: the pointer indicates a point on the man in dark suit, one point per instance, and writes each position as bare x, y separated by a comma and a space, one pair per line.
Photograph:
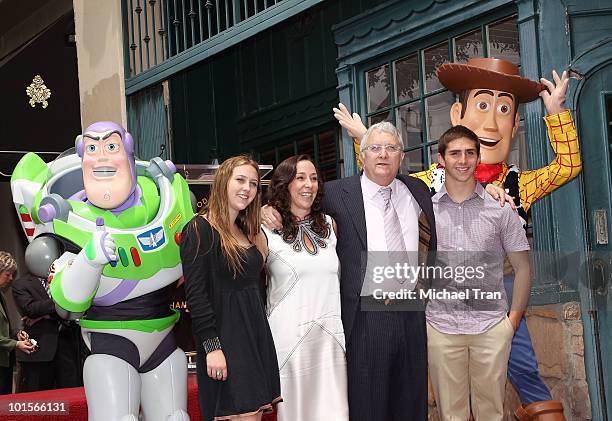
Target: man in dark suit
56, 362
386, 350
8, 267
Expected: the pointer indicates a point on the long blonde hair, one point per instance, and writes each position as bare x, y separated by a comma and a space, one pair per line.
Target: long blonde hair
217, 211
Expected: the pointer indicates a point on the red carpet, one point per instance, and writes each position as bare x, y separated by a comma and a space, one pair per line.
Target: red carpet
77, 406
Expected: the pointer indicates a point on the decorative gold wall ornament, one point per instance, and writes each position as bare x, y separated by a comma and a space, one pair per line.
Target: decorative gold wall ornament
38, 92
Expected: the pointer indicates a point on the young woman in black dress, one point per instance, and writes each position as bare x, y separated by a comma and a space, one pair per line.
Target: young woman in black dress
223, 252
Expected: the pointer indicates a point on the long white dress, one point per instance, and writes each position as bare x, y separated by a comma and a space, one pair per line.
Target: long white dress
303, 309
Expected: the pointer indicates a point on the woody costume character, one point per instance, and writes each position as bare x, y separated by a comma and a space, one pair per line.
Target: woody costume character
489, 92
525, 186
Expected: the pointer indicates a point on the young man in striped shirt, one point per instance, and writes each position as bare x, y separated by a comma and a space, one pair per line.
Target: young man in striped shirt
469, 334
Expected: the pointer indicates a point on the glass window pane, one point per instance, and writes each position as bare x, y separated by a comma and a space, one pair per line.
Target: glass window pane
504, 40
306, 146
518, 150
378, 88
413, 161
406, 78
285, 152
468, 46
434, 57
409, 122
386, 116
437, 108
433, 154
327, 148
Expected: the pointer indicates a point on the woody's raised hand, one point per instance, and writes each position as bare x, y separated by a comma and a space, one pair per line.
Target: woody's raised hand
554, 94
351, 122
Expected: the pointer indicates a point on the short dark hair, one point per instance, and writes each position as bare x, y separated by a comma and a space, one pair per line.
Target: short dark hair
454, 133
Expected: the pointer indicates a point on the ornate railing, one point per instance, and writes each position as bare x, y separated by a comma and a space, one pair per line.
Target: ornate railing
164, 37
157, 30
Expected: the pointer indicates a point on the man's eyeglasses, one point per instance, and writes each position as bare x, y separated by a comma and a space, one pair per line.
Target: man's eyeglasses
390, 148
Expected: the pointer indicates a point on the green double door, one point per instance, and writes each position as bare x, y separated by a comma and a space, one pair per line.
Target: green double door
148, 123
595, 125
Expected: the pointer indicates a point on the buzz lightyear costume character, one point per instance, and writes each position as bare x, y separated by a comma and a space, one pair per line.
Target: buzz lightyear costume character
118, 222
489, 92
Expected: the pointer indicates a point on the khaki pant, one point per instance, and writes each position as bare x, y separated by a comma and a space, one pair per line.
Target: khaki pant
464, 367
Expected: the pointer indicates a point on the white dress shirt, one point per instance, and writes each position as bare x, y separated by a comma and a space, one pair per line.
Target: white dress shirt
407, 209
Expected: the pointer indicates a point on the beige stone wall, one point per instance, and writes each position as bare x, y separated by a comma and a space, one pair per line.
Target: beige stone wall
557, 335
99, 36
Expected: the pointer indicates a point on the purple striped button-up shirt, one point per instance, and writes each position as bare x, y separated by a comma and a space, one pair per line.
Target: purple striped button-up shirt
475, 233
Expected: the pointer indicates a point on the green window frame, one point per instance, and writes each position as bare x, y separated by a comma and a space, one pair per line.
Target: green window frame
402, 87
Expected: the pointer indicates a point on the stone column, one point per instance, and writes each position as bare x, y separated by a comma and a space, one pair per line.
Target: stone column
99, 38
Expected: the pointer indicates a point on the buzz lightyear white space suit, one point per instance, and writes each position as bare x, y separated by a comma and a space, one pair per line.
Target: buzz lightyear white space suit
126, 217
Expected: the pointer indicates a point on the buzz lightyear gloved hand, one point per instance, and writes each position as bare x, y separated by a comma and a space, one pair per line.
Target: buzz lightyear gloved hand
78, 277
100, 250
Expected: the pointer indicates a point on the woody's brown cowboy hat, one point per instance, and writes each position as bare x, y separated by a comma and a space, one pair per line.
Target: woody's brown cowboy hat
489, 73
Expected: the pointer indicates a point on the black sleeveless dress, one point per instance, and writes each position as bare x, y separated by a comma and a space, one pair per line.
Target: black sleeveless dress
232, 309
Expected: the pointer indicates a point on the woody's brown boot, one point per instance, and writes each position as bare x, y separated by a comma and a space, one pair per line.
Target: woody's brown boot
540, 411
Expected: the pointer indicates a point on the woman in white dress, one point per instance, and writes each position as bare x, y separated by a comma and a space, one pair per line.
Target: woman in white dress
303, 297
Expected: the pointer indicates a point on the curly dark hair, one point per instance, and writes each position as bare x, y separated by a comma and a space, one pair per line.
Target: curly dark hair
278, 197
